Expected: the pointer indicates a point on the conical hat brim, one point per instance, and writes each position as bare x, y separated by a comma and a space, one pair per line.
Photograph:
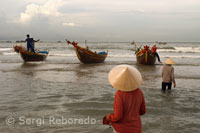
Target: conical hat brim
125, 78
169, 61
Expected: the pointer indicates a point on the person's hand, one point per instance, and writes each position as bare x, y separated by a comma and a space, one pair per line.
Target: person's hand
105, 121
107, 117
174, 85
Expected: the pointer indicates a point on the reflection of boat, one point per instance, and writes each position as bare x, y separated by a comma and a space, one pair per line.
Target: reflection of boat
87, 56
30, 56
145, 56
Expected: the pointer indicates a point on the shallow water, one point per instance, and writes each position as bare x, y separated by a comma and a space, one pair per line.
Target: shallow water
63, 88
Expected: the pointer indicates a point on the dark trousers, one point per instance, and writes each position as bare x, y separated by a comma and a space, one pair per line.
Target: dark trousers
156, 54
30, 47
168, 85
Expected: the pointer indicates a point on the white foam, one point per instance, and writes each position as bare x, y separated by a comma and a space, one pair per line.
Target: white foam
69, 55
122, 56
166, 50
182, 56
9, 53
181, 49
5, 49
173, 56
188, 49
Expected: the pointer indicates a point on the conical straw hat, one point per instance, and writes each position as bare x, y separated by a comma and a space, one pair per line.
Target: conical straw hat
169, 61
125, 78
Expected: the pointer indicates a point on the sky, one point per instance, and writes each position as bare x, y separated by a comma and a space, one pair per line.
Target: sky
101, 20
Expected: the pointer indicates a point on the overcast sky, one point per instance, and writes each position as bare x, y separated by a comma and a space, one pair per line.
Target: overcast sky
101, 20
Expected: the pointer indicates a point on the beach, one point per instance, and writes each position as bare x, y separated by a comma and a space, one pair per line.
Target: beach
63, 95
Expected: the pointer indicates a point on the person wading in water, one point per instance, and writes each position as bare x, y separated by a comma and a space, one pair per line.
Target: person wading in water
129, 101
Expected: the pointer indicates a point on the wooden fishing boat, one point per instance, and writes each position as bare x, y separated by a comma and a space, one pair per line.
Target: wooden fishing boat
87, 56
30, 56
145, 56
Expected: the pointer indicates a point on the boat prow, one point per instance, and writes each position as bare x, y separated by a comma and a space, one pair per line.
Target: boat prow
145, 56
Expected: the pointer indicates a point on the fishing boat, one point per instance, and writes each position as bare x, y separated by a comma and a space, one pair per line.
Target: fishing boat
145, 56
87, 56
30, 56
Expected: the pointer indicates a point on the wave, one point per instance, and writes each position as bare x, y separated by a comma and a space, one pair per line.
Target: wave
181, 50
113, 56
188, 49
109, 55
166, 48
122, 56
182, 56
173, 56
9, 53
64, 55
5, 49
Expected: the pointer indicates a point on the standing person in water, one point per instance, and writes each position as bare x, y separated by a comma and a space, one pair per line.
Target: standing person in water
129, 101
154, 50
30, 43
168, 75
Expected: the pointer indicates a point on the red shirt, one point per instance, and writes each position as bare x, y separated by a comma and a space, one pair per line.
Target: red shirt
128, 106
153, 49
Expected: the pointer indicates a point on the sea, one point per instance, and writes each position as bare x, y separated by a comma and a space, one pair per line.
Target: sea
63, 95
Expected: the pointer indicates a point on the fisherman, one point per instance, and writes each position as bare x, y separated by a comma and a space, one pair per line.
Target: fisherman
129, 101
154, 51
30, 43
168, 75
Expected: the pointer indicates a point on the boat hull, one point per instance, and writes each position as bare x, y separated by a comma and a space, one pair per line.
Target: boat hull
28, 56
146, 59
87, 56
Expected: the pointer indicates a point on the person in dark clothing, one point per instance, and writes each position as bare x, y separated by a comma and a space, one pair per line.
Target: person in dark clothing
30, 43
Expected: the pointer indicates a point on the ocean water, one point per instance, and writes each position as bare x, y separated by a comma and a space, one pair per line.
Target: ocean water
63, 95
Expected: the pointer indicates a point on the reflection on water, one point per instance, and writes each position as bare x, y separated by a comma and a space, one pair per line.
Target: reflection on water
30, 65
84, 70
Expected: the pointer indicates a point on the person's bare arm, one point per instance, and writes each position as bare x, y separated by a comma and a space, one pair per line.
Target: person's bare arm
173, 78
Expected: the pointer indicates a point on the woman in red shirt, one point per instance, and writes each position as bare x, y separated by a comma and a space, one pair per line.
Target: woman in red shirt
129, 101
